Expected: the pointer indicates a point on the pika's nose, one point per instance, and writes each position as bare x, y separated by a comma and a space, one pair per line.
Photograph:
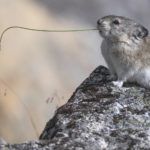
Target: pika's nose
99, 22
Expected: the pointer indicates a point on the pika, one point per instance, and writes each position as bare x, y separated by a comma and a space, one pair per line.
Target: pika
126, 50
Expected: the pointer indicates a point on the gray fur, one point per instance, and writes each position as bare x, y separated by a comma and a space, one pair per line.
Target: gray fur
126, 49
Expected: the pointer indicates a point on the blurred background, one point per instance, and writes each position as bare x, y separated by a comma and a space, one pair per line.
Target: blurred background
40, 71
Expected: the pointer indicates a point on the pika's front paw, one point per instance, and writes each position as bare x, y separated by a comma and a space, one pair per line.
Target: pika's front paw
118, 83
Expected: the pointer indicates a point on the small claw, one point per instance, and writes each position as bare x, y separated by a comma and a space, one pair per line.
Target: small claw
118, 83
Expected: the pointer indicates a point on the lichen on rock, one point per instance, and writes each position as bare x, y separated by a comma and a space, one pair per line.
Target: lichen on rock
98, 116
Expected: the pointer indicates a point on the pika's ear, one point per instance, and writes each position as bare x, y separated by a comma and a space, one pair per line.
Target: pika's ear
140, 32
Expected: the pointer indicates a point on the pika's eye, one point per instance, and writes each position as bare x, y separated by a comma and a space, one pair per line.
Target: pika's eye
116, 22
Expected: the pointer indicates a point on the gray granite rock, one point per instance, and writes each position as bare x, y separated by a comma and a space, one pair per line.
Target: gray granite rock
98, 116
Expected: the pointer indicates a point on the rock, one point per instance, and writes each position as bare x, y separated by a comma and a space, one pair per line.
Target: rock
98, 116
2, 143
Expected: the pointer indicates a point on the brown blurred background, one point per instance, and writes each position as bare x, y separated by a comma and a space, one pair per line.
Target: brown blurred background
39, 71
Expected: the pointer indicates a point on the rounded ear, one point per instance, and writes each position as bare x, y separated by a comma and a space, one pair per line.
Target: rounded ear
140, 32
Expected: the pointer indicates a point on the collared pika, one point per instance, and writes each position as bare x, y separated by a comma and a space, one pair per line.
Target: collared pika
126, 49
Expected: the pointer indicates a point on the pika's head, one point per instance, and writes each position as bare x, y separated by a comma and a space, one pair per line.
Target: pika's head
119, 28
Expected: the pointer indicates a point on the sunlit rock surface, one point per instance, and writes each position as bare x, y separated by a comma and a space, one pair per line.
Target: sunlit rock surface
98, 116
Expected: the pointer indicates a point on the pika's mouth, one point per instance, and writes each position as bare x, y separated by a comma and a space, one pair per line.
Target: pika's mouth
100, 32
101, 28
